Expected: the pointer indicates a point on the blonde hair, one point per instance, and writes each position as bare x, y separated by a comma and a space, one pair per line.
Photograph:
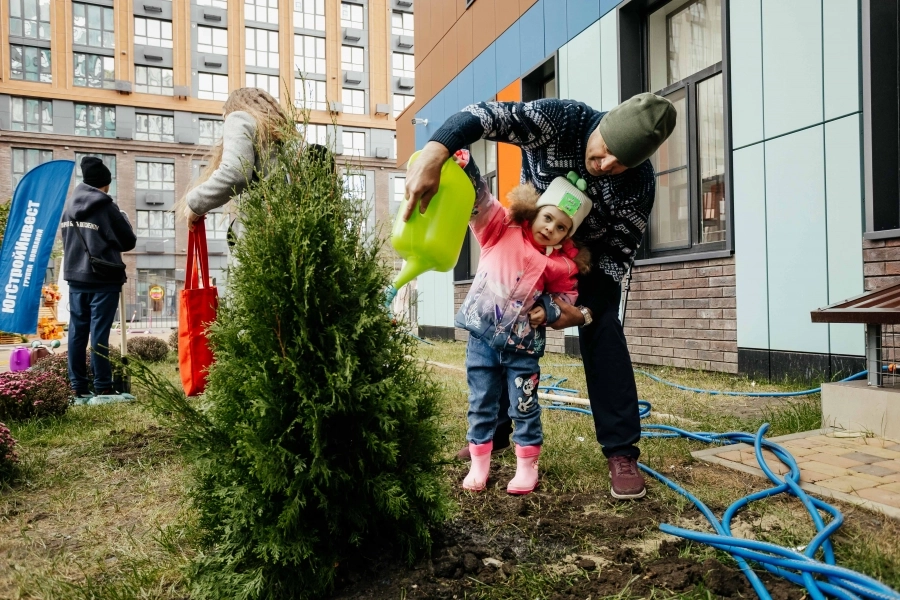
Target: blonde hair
272, 124
523, 209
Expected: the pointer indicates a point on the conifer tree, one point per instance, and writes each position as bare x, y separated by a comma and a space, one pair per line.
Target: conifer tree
317, 437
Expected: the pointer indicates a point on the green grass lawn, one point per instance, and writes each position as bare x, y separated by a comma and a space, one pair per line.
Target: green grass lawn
99, 509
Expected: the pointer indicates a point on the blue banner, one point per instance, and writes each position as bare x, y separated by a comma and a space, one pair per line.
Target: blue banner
37, 206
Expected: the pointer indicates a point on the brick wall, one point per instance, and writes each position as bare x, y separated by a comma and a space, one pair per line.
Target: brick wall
556, 340
881, 263
684, 315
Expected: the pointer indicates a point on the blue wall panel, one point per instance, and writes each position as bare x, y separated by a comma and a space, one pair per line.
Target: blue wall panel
795, 229
509, 65
435, 115
845, 226
608, 5
840, 30
531, 36
792, 64
555, 32
485, 74
746, 73
451, 98
465, 89
421, 132
750, 248
580, 14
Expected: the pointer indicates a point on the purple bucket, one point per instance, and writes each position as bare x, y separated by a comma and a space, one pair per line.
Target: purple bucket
20, 359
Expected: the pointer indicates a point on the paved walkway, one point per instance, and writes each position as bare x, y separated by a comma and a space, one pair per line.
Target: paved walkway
846, 466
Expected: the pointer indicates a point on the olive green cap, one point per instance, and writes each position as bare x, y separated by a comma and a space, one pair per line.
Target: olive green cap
635, 129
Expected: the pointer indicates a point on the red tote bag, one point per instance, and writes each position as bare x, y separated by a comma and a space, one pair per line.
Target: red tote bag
197, 305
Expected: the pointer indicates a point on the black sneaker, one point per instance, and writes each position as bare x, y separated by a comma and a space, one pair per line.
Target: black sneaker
108, 392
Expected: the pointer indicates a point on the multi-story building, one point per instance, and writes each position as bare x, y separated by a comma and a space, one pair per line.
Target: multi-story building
142, 86
776, 195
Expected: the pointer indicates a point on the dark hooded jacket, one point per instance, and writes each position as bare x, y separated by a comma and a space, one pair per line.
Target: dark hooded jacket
106, 232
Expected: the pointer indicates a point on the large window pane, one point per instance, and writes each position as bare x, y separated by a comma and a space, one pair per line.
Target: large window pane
351, 15
94, 71
93, 25
309, 54
154, 80
669, 221
212, 87
210, 131
30, 19
154, 128
711, 142
309, 14
212, 40
95, 120
674, 151
29, 63
309, 94
402, 23
153, 32
684, 37
25, 159
30, 114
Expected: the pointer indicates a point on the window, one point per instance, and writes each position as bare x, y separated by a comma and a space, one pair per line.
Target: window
352, 58
30, 63
261, 48
93, 26
309, 14
154, 128
269, 83
30, 19
211, 131
217, 225
212, 40
401, 102
30, 114
686, 67
540, 83
398, 194
354, 101
309, 94
95, 120
94, 71
354, 143
212, 87
108, 159
153, 32
485, 155
313, 133
404, 65
155, 223
309, 54
153, 80
402, 23
263, 11
25, 159
223, 4
351, 15
154, 176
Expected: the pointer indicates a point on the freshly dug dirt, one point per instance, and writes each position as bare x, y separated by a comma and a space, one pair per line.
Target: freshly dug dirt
553, 546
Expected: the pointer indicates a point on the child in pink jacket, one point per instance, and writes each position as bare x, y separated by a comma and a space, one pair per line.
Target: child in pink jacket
527, 258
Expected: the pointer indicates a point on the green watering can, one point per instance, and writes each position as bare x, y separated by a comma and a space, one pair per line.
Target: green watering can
432, 241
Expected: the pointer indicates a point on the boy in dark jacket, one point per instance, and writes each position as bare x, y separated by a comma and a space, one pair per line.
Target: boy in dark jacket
95, 233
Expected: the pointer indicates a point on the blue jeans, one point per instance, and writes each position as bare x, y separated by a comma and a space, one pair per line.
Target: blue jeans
488, 372
91, 313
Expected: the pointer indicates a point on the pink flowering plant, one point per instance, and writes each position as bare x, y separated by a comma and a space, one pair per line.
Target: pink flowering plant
8, 456
28, 394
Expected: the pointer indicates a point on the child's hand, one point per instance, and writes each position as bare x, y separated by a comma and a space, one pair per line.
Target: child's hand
537, 316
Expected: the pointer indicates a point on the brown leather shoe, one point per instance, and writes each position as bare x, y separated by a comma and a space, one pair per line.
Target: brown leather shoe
626, 481
464, 455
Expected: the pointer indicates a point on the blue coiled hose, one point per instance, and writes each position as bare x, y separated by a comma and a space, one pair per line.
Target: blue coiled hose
821, 579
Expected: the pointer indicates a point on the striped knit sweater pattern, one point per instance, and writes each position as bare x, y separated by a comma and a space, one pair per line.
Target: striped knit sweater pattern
553, 136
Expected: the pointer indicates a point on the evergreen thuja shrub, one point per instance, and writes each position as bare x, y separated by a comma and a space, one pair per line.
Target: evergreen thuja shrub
317, 438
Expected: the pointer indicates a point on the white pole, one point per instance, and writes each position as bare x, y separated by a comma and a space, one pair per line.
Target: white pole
122, 321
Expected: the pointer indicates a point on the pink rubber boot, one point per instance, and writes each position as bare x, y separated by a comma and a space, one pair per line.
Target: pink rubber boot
526, 479
477, 478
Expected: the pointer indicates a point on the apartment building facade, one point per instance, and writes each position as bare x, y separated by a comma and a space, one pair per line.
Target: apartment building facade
142, 84
776, 195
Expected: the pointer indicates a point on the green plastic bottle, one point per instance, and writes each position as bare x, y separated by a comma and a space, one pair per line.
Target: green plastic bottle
432, 241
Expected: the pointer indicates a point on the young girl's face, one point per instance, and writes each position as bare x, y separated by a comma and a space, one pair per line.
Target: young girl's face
551, 226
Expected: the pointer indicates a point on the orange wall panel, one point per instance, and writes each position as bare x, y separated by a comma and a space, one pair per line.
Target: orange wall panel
451, 53
439, 75
464, 54
424, 74
483, 30
524, 5
450, 14
509, 157
506, 12
438, 27
406, 134
461, 7
422, 29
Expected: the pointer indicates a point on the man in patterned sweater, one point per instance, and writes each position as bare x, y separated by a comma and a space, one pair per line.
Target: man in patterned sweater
611, 152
